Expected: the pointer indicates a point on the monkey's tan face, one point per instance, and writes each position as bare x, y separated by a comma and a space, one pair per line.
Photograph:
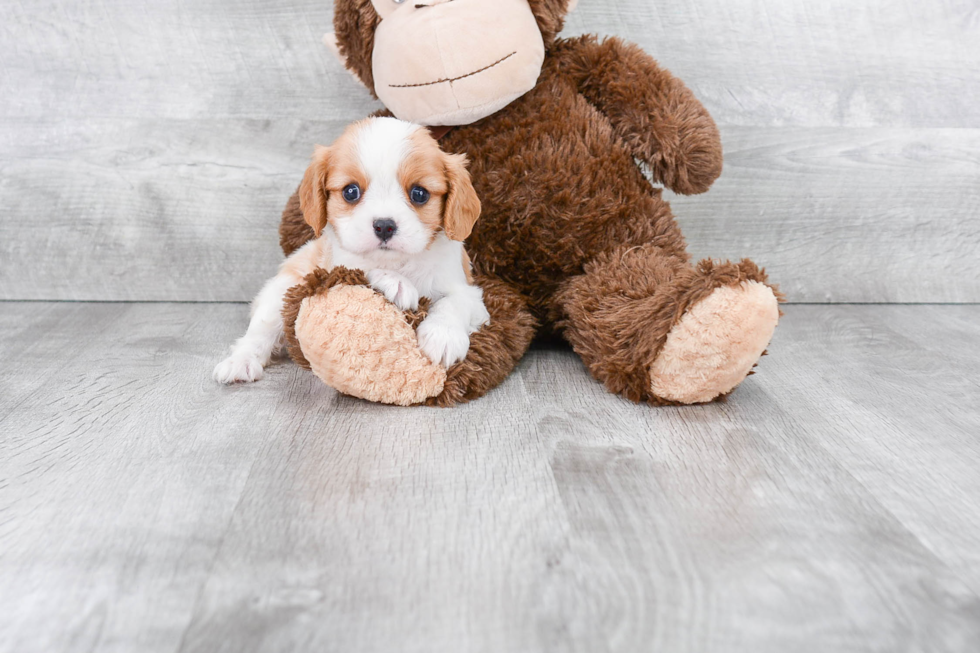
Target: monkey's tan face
452, 62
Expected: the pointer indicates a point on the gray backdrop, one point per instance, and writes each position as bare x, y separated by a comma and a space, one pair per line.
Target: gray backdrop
147, 147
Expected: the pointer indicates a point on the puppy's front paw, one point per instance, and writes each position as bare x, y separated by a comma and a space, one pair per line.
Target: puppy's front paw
443, 342
396, 288
239, 367
479, 317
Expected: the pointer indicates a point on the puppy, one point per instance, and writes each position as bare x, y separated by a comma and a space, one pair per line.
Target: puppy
386, 200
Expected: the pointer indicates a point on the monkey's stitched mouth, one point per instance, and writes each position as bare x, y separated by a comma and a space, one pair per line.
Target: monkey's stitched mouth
453, 79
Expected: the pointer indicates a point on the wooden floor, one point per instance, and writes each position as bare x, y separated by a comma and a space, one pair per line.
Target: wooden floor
831, 504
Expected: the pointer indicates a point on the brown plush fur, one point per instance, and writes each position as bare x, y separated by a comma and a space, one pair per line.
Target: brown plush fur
354, 22
494, 350
573, 237
617, 315
293, 230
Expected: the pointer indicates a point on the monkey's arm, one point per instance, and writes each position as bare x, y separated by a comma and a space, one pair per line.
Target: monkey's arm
658, 117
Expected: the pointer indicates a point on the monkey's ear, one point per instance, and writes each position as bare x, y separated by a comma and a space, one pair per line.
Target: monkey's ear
462, 204
354, 23
330, 40
313, 191
550, 15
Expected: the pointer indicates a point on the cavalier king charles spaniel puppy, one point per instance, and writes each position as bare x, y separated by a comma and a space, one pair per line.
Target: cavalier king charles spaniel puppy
386, 200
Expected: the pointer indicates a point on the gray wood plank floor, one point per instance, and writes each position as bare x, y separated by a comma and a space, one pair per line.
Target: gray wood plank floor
831, 504
147, 147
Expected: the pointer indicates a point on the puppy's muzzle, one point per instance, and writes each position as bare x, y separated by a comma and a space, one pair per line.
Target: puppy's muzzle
385, 228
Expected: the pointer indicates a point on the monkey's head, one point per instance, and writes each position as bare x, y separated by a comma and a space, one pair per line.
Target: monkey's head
446, 62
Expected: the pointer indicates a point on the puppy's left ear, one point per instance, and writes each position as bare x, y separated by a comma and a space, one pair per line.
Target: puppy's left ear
313, 191
462, 205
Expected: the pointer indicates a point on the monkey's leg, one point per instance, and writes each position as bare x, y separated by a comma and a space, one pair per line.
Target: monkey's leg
494, 350
362, 345
653, 328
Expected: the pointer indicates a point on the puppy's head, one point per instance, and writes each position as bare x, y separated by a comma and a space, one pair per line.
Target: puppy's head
385, 186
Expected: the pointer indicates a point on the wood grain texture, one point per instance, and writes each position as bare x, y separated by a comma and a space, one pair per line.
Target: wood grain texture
878, 63
829, 504
842, 215
146, 148
116, 488
875, 63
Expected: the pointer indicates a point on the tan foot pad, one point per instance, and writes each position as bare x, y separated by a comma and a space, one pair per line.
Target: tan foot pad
361, 345
714, 346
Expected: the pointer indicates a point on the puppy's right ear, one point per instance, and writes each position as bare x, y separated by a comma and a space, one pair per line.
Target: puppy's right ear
313, 190
462, 207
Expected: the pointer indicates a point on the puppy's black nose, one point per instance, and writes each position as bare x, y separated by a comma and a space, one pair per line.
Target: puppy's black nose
384, 229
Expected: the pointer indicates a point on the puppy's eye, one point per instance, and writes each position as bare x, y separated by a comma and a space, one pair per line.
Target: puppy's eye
419, 195
352, 193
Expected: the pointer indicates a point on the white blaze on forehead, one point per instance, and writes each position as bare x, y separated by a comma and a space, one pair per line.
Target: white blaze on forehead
379, 147
382, 145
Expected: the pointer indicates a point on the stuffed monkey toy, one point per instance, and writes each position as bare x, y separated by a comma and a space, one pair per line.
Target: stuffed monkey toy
573, 240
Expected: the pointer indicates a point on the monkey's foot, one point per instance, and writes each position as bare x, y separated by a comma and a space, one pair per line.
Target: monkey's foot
716, 344
358, 342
